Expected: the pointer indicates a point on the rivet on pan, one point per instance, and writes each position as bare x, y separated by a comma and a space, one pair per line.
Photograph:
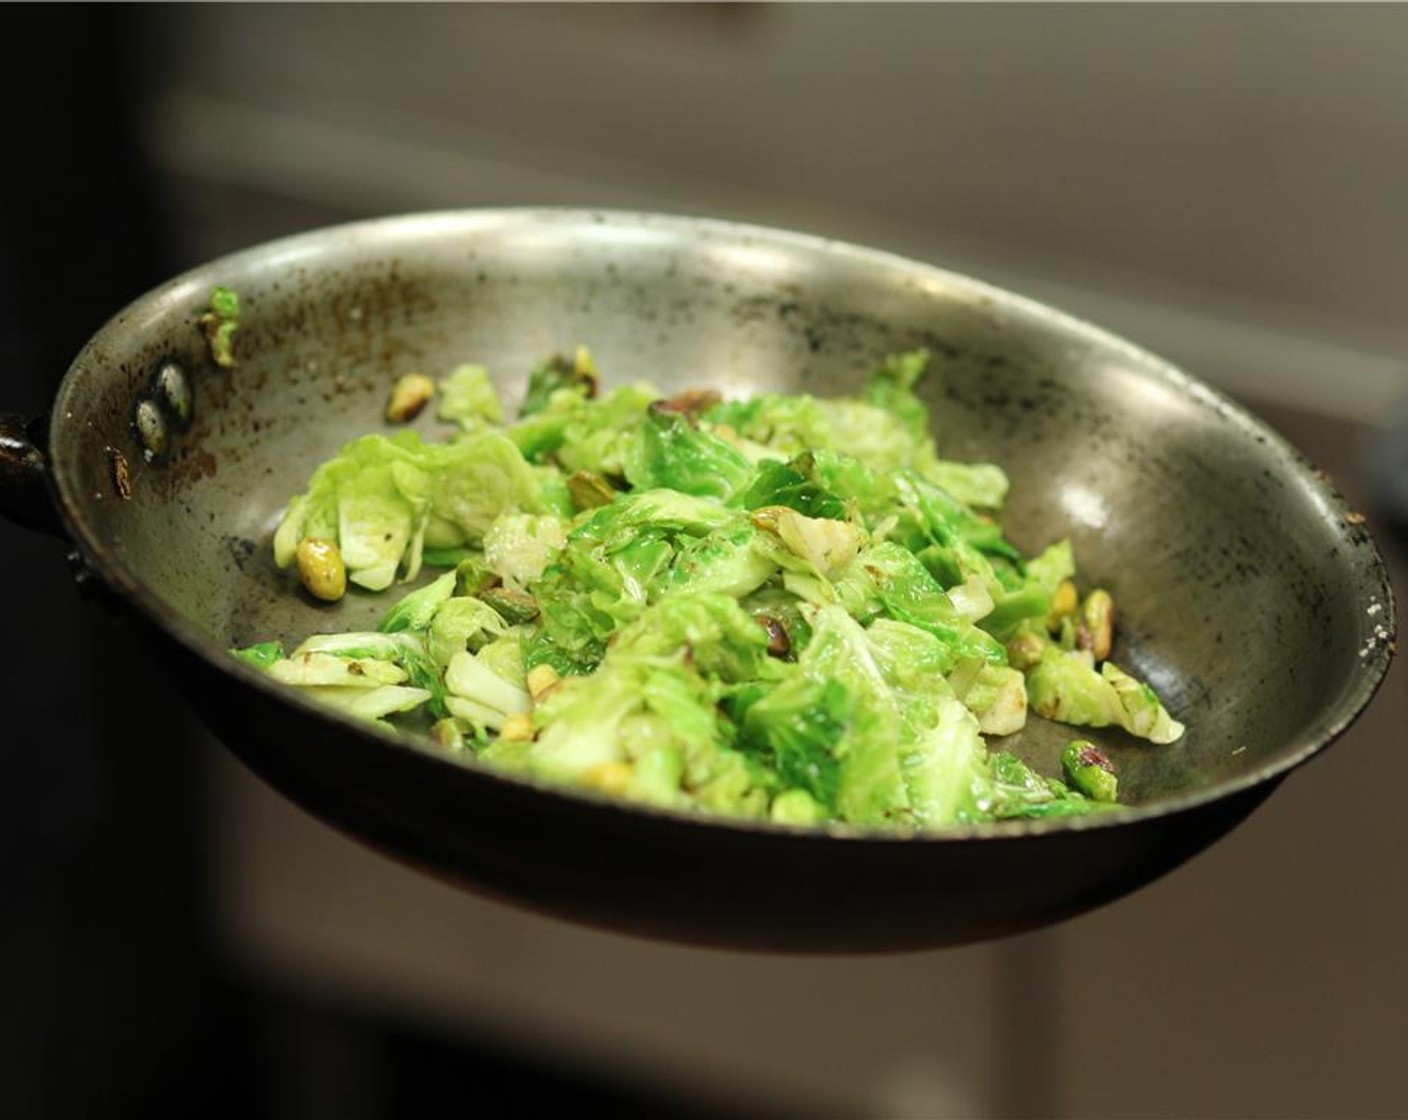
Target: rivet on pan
151, 428
172, 390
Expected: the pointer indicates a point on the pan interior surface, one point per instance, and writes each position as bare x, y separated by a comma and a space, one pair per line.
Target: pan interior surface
1247, 597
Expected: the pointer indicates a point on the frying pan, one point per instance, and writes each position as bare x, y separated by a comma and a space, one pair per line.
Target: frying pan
1251, 597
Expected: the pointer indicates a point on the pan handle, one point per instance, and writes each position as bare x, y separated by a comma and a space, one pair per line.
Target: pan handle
25, 498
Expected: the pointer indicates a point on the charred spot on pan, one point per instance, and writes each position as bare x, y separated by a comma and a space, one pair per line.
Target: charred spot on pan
750, 309
195, 463
242, 549
937, 344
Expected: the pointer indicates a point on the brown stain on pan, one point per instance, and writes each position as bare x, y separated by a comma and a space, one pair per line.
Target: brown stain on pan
305, 340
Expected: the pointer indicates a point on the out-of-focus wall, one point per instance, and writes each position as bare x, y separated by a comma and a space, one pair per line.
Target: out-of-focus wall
1225, 183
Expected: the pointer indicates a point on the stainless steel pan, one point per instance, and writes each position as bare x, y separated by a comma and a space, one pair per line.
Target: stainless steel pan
1252, 598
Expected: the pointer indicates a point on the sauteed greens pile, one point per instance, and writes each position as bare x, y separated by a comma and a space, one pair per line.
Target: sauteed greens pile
781, 607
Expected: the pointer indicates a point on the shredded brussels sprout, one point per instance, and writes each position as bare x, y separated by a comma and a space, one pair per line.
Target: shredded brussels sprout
782, 607
219, 324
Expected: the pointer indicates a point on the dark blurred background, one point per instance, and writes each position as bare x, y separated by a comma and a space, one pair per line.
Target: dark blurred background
1223, 184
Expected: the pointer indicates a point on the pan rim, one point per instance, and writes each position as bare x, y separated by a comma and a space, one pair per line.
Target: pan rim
1363, 553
